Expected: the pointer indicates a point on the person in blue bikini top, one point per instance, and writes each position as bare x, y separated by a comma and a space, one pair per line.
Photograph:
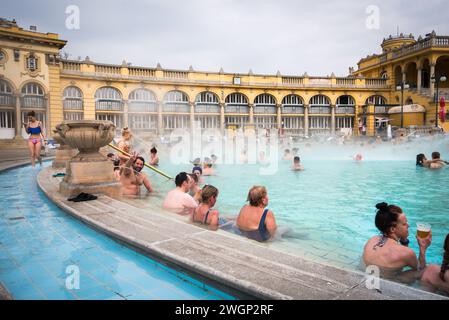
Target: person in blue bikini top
34, 128
255, 221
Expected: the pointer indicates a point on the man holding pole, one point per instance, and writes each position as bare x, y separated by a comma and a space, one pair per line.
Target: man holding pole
132, 178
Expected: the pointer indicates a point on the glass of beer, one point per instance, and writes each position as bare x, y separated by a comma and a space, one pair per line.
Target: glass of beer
423, 229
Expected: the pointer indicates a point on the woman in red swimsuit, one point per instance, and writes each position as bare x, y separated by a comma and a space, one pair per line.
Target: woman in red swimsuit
34, 129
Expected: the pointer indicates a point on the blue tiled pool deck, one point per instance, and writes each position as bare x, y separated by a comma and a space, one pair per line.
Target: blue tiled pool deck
38, 242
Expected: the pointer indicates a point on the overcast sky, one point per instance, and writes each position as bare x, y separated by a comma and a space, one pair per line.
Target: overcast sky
292, 36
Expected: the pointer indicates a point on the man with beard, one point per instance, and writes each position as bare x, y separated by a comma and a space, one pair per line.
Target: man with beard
132, 178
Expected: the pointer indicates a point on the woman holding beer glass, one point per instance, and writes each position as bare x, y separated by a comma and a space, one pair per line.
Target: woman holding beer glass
437, 277
386, 251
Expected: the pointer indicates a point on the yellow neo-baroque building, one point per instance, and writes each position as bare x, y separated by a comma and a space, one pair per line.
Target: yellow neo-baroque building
33, 76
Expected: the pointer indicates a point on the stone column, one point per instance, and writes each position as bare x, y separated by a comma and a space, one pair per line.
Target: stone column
18, 127
222, 118
370, 122
432, 84
418, 81
160, 124
251, 117
332, 120
125, 114
251, 114
306, 120
404, 77
192, 116
279, 115
47, 129
355, 129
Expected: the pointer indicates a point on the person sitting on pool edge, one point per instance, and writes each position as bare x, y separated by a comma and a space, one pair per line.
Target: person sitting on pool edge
255, 220
387, 253
297, 164
178, 200
437, 277
204, 213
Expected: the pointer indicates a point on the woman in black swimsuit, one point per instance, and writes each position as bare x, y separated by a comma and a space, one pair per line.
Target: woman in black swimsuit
204, 213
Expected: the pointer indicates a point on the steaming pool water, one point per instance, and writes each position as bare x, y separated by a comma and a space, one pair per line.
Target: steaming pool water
330, 205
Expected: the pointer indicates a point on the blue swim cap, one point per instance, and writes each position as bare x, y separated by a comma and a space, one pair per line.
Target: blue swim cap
197, 168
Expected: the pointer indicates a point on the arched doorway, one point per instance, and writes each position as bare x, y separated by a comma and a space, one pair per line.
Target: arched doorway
398, 75
411, 75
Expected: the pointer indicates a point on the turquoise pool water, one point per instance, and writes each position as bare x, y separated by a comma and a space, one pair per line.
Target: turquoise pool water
331, 205
38, 242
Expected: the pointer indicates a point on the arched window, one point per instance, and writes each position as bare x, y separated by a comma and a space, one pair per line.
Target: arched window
293, 104
264, 103
142, 100
345, 104
376, 100
379, 103
176, 101
6, 96
320, 104
109, 99
33, 96
236, 103
207, 102
72, 98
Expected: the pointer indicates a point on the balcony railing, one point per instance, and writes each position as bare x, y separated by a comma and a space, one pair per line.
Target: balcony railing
73, 104
345, 110
207, 108
107, 69
376, 82
176, 74
109, 105
381, 109
436, 41
319, 110
236, 109
293, 109
141, 106
176, 107
142, 72
293, 80
33, 102
71, 66
346, 82
264, 109
116, 71
7, 100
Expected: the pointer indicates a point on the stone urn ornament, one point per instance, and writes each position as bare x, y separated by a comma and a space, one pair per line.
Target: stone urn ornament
88, 171
64, 152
